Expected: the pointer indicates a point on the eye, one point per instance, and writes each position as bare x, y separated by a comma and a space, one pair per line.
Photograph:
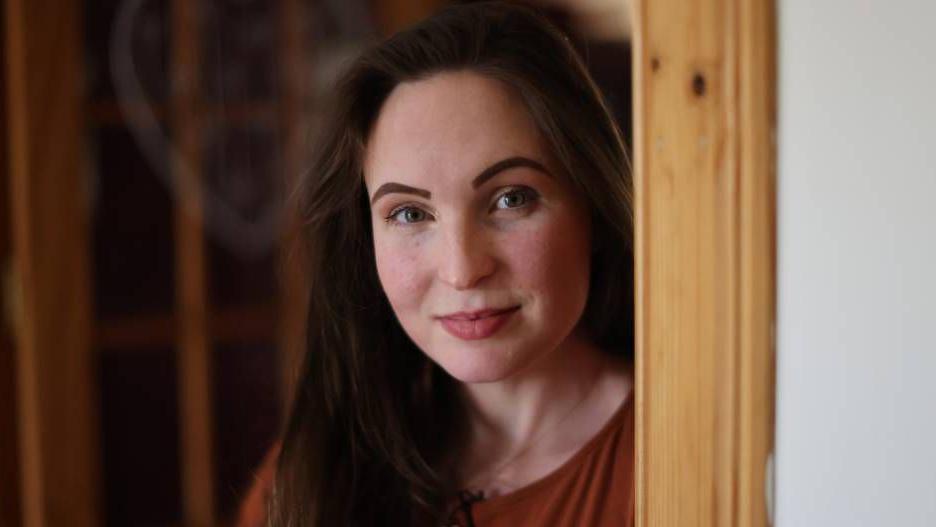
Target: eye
407, 215
515, 198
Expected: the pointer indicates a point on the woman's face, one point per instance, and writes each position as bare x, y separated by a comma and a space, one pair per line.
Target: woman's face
482, 250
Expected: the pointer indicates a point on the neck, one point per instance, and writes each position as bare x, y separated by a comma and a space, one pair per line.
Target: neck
514, 410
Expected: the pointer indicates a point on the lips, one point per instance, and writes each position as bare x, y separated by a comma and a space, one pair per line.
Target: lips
476, 325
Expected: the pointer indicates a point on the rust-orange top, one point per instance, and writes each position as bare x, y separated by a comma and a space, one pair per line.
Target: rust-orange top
594, 488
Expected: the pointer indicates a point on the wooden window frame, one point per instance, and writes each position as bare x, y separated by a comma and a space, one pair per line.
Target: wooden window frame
49, 306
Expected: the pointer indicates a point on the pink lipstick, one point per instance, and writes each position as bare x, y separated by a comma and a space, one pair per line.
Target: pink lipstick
476, 325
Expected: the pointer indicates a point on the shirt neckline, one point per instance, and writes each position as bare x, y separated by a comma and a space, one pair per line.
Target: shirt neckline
485, 506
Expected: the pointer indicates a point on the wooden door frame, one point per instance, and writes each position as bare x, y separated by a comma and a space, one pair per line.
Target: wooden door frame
705, 117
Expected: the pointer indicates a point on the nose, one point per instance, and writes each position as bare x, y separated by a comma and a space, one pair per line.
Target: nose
465, 257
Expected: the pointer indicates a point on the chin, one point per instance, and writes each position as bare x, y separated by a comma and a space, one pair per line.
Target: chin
475, 364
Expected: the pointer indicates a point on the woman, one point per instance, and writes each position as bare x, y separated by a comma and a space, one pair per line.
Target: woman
470, 316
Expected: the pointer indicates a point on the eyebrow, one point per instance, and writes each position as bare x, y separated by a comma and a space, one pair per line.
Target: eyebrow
480, 179
511, 162
390, 188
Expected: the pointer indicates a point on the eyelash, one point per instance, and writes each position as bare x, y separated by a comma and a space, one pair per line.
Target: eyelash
530, 196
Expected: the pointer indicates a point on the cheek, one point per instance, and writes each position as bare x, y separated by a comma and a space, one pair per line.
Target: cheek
399, 267
554, 261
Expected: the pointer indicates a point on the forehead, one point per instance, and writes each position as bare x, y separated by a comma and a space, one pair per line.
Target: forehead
450, 125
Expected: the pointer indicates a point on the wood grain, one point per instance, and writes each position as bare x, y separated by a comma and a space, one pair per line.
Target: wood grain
194, 339
295, 72
232, 325
9, 445
704, 162
50, 285
395, 15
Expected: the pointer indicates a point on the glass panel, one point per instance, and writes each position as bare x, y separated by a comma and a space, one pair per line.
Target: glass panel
140, 437
133, 229
247, 417
239, 40
243, 206
138, 28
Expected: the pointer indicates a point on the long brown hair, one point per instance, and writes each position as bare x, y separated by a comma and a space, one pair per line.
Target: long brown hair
372, 416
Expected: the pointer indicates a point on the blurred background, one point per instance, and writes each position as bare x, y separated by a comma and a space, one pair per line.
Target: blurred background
153, 289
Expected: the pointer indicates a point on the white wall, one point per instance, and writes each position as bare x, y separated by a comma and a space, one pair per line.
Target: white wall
856, 372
